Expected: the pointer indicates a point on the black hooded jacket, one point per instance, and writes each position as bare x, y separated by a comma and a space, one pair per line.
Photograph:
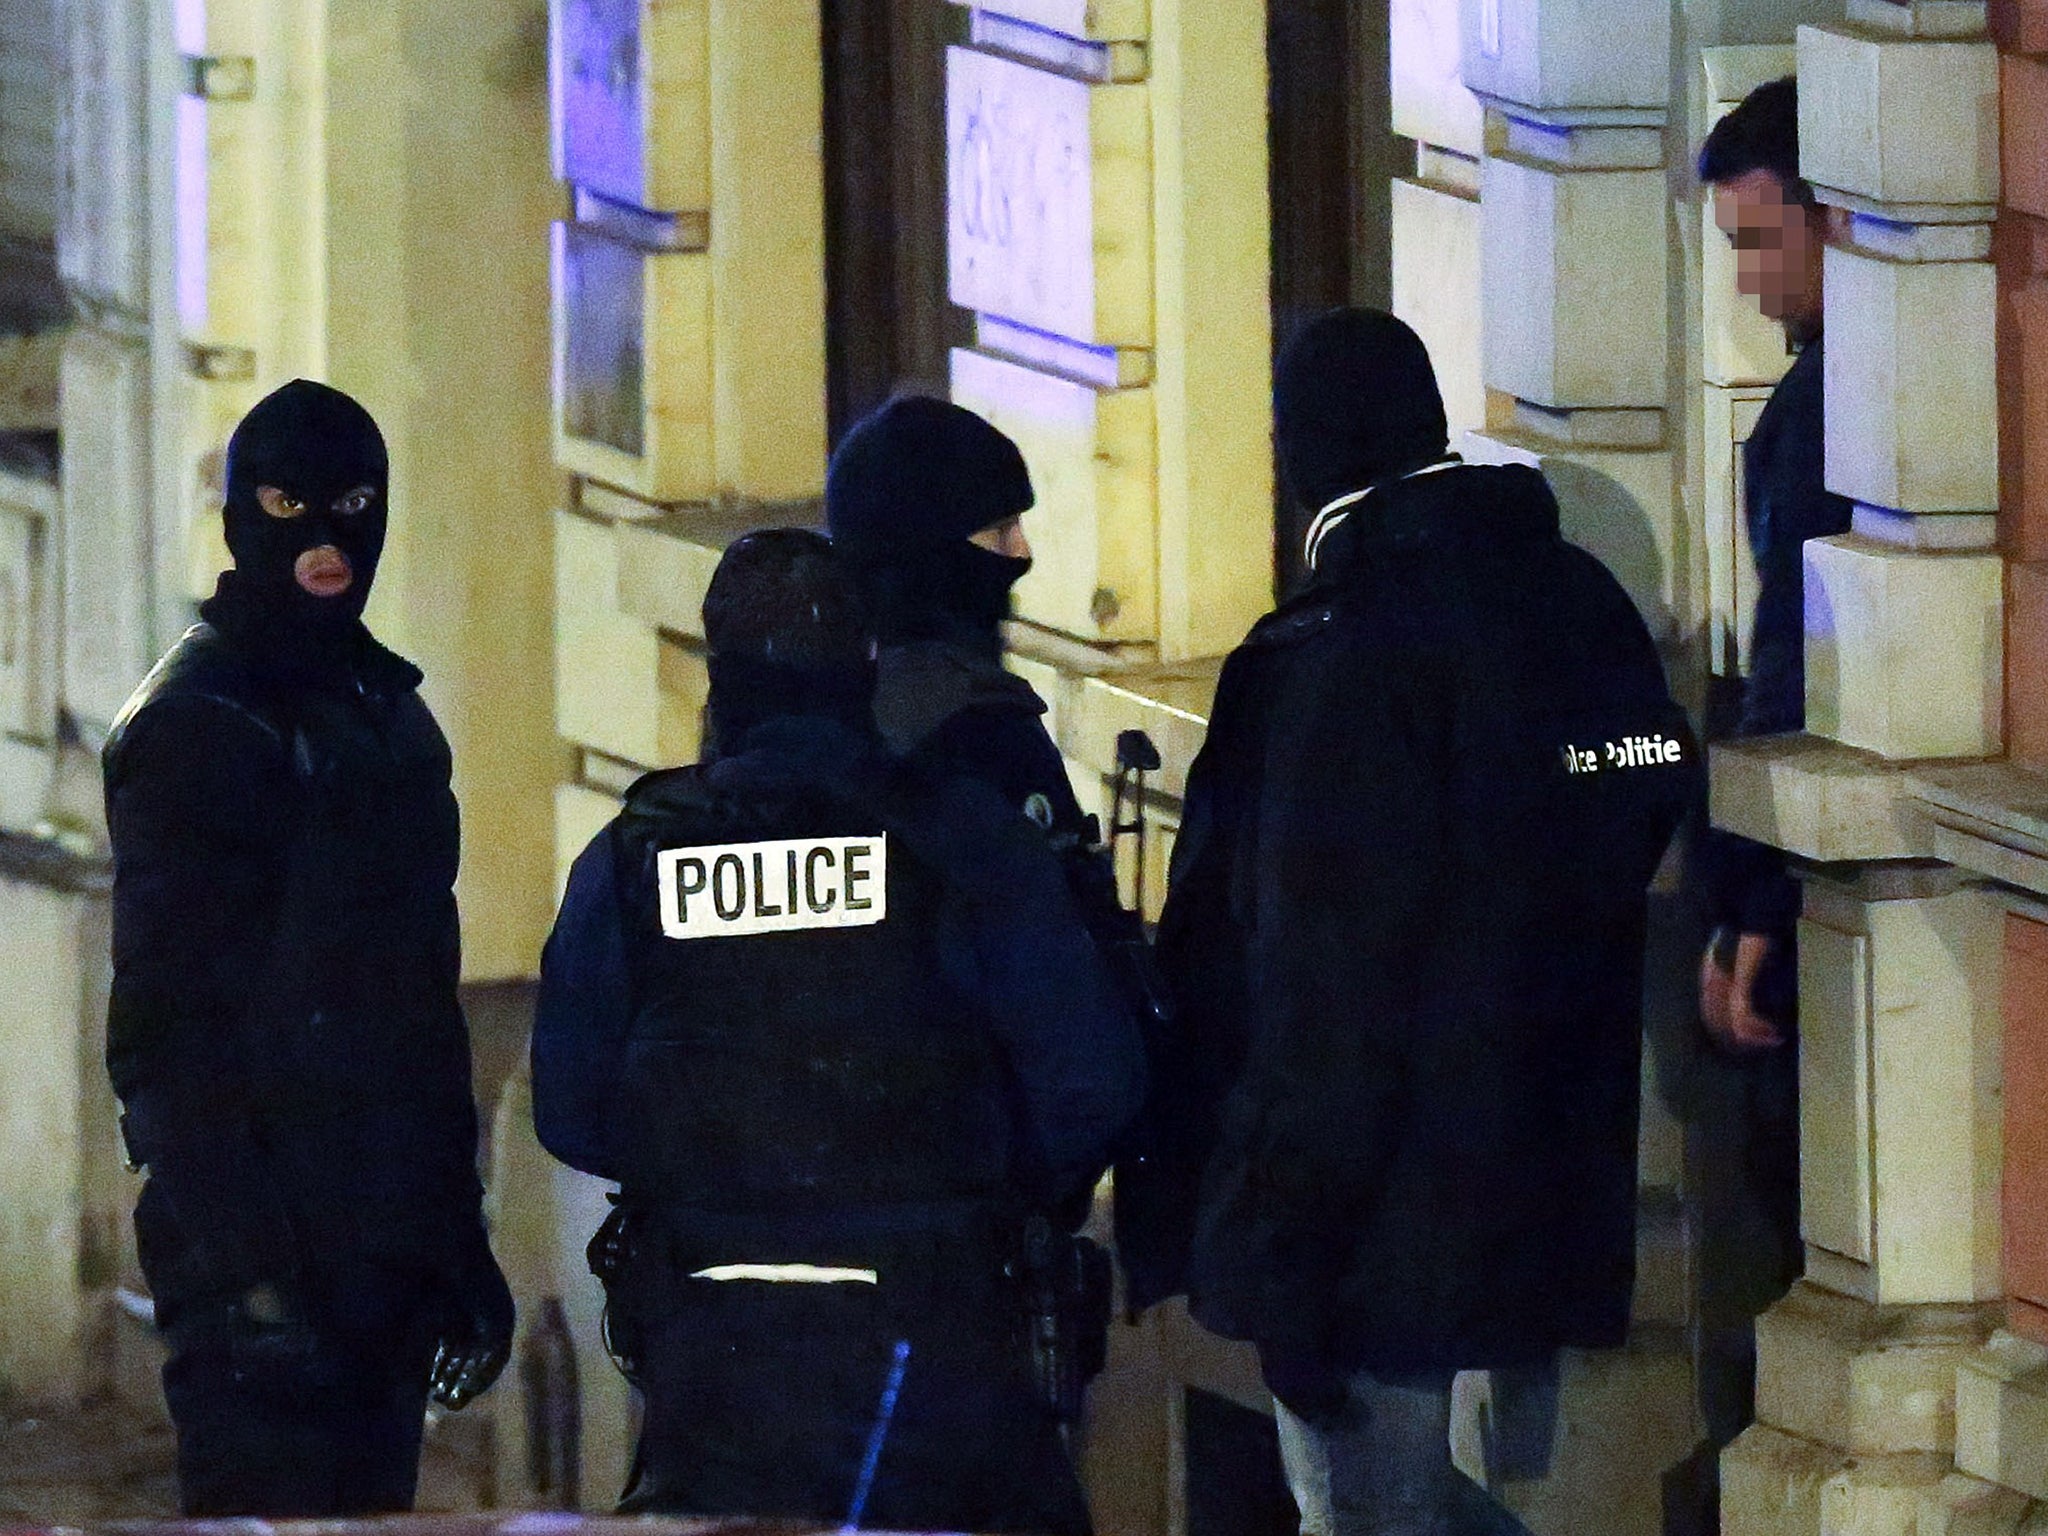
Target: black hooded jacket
1405, 928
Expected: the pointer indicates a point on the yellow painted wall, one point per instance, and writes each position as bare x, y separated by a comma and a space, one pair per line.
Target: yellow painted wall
437, 226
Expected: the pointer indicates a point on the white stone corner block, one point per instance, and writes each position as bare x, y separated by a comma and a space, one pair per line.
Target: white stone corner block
1436, 289
1873, 1380
1934, 532
1905, 652
665, 563
1771, 1482
1915, 1495
1431, 103
1049, 199
1573, 271
1900, 1125
1815, 798
1733, 71
1898, 120
1568, 53
1911, 364
2002, 1414
620, 687
106, 530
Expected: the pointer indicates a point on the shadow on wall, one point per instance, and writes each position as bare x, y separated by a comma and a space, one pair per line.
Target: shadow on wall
1603, 517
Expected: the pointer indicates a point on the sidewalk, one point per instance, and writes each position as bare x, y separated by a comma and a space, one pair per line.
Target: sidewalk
108, 1464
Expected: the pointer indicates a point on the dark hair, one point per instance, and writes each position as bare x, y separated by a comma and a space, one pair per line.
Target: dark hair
784, 595
1760, 134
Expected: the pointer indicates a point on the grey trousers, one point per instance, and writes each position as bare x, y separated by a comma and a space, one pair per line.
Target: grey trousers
1383, 1467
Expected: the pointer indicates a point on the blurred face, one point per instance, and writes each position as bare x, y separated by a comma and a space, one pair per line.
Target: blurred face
1005, 538
1778, 246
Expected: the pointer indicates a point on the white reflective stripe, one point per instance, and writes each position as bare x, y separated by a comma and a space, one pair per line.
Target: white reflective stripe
789, 1274
1327, 519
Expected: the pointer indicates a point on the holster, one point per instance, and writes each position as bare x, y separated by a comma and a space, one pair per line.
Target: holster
1067, 1288
611, 1254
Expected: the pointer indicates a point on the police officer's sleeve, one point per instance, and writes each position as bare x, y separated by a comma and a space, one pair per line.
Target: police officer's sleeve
580, 1024
1008, 749
1013, 940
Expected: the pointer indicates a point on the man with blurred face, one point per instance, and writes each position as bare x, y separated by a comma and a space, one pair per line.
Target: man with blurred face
1748, 973
284, 1031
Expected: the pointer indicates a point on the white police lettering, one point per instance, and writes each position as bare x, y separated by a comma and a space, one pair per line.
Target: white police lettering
1629, 752
738, 889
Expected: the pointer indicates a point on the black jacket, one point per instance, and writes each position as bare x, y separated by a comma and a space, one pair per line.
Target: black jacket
1787, 502
1405, 928
1005, 946
284, 1030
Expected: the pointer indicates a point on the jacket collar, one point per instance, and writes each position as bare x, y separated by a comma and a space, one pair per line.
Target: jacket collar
1444, 505
794, 751
1338, 512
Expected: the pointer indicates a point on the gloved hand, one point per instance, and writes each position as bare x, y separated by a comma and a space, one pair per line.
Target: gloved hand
476, 1337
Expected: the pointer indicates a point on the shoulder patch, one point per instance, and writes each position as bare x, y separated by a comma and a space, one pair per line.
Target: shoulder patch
1039, 809
733, 890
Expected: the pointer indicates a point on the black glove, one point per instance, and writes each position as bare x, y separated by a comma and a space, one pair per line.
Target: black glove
476, 1335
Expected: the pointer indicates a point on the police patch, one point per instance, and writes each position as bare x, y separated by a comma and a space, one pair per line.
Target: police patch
736, 889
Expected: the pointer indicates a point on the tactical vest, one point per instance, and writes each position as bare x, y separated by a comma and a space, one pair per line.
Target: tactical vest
794, 1043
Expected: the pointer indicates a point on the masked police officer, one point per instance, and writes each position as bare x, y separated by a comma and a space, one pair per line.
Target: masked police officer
832, 1024
284, 1031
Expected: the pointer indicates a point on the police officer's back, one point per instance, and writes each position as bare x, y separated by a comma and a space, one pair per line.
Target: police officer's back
832, 1026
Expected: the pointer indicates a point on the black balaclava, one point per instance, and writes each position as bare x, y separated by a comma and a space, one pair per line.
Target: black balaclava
1355, 401
317, 446
906, 490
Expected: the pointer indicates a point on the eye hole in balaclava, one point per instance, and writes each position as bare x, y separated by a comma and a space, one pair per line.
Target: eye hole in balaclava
306, 479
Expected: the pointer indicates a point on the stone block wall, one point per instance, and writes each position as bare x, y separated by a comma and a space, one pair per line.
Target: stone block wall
1901, 1383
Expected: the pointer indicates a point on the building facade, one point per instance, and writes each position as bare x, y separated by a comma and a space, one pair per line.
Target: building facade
612, 274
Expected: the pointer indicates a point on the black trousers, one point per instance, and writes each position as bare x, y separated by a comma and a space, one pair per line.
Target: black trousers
303, 1418
762, 1397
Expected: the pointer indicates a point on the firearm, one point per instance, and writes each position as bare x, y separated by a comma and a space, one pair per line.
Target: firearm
1067, 1289
1119, 931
